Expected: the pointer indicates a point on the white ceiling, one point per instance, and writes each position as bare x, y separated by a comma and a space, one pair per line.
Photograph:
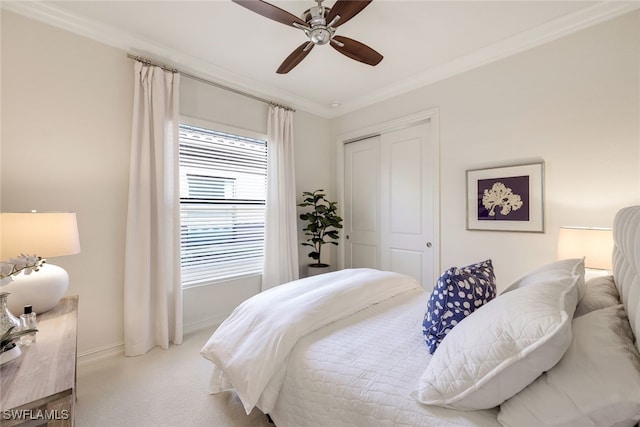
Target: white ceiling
422, 41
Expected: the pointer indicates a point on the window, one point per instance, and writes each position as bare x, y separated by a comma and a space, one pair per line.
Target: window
223, 180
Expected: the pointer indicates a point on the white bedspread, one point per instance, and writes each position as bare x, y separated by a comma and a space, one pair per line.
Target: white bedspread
360, 372
250, 348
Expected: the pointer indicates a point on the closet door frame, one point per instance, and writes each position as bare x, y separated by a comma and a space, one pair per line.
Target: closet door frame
431, 116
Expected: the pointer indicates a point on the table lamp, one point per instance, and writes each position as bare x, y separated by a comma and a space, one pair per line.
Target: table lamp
45, 235
595, 244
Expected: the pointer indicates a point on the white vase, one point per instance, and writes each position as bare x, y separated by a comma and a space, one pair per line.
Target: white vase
41, 289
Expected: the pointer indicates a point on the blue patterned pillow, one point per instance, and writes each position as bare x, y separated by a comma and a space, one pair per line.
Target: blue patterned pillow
458, 293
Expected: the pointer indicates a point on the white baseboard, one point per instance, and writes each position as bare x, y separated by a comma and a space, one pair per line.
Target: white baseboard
209, 323
99, 354
117, 350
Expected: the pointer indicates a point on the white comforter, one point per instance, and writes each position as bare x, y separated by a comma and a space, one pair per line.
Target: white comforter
250, 348
361, 371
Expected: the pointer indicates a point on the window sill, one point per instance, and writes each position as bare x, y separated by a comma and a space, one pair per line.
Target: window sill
206, 283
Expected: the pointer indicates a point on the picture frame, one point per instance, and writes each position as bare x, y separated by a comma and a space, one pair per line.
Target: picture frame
506, 198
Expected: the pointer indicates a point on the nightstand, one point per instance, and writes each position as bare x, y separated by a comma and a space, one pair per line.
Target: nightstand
39, 387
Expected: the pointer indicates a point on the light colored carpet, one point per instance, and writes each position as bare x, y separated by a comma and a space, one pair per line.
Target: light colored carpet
162, 388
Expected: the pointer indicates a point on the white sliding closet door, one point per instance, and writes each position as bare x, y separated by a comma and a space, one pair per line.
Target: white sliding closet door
362, 203
389, 196
407, 186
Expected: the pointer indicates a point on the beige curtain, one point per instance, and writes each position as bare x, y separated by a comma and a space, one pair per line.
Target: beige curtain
281, 235
152, 288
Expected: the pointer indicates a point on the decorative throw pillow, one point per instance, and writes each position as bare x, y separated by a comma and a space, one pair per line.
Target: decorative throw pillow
504, 345
458, 293
596, 383
600, 292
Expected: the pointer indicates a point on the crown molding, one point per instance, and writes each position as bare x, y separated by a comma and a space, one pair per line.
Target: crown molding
538, 36
131, 43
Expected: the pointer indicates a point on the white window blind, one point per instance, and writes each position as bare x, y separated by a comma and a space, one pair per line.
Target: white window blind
222, 198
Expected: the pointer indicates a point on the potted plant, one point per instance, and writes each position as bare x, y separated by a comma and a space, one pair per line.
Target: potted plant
8, 348
321, 229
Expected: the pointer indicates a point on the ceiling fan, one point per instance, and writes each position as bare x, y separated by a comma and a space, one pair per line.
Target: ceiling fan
319, 23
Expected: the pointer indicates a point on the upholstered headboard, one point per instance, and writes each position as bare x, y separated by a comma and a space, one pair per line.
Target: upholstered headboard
626, 263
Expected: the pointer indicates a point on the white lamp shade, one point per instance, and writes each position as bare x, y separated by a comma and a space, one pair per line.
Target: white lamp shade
595, 244
38, 233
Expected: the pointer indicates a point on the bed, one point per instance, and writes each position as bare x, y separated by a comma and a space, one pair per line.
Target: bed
348, 349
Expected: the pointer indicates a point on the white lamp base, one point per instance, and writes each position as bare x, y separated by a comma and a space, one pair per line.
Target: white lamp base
41, 289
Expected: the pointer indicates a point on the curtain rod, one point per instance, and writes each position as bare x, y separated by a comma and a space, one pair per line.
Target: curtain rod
209, 82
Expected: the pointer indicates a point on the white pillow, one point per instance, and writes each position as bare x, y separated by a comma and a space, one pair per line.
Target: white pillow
601, 292
597, 382
506, 344
549, 272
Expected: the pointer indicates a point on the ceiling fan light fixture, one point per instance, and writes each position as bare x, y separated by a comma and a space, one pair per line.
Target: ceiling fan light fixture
320, 35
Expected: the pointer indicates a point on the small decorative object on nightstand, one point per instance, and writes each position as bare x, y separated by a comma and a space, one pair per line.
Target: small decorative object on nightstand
11, 329
9, 349
28, 321
7, 320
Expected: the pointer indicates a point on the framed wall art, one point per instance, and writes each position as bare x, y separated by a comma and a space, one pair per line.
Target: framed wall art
509, 198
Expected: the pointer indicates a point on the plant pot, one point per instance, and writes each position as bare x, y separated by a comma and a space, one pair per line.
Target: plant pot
9, 355
314, 269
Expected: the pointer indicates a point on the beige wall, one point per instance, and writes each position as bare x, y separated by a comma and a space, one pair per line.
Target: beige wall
66, 123
314, 170
573, 103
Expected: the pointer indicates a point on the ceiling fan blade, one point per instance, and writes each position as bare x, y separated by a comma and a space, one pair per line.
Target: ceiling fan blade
356, 50
347, 9
270, 11
295, 58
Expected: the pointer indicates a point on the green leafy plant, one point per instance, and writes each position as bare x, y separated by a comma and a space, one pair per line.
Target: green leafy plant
7, 339
323, 223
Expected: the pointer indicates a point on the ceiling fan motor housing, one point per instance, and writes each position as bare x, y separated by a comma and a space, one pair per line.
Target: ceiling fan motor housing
319, 33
